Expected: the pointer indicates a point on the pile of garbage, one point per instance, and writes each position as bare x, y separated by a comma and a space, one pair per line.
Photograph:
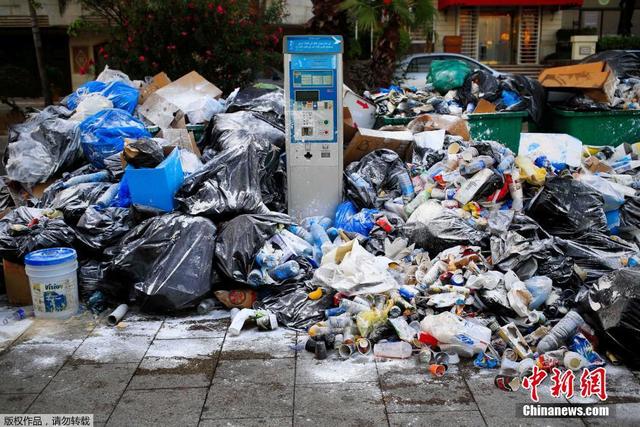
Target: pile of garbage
452, 249
453, 88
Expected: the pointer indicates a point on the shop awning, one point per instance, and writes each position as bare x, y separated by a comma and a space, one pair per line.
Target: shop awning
443, 4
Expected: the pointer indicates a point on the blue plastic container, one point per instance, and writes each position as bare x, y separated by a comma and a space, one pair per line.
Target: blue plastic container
156, 187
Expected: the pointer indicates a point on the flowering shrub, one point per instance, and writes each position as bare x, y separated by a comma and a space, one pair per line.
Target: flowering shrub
227, 41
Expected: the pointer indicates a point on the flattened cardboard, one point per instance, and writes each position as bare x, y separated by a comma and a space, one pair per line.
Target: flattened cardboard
163, 105
17, 283
158, 81
368, 140
484, 106
597, 80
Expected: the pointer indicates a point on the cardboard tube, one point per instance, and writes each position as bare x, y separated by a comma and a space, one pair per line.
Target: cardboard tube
116, 315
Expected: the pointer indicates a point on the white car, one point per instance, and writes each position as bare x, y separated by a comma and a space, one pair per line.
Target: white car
414, 69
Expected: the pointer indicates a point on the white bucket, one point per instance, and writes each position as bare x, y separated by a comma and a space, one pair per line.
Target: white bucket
54, 282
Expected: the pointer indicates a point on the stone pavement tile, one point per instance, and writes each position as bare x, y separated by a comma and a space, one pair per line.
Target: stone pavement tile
356, 404
210, 325
135, 327
499, 407
112, 348
309, 370
166, 407
255, 344
16, 403
247, 422
622, 386
178, 363
53, 331
256, 371
28, 368
624, 414
84, 389
249, 388
408, 387
439, 418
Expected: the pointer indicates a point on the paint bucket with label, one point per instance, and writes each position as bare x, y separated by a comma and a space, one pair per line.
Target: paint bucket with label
53, 279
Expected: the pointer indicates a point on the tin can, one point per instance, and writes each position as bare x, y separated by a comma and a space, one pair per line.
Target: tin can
507, 382
363, 346
425, 355
395, 311
437, 370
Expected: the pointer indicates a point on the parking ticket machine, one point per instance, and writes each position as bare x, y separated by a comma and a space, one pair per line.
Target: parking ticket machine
313, 118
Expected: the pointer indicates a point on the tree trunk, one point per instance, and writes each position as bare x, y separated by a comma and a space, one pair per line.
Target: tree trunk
626, 14
385, 52
37, 42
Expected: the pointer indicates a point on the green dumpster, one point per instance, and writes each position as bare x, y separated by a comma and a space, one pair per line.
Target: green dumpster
504, 127
598, 127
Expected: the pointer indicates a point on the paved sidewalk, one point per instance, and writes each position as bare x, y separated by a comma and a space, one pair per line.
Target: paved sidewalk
163, 371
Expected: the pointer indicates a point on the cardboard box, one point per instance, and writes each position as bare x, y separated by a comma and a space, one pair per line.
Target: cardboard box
597, 80
454, 125
484, 106
349, 129
367, 140
158, 81
17, 283
165, 104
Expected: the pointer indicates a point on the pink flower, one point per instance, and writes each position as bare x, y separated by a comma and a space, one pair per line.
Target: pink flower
141, 58
220, 10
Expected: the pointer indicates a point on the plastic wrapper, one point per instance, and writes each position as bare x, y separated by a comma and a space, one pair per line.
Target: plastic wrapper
376, 171
229, 131
168, 259
45, 144
227, 185
268, 102
528, 251
24, 230
611, 306
598, 254
532, 95
90, 105
240, 239
349, 219
435, 229
102, 134
448, 74
74, 201
100, 228
568, 208
121, 95
143, 153
293, 307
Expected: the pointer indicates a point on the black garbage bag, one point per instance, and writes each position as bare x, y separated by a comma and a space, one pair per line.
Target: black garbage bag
45, 144
568, 208
529, 251
25, 229
143, 153
376, 171
630, 214
443, 229
245, 127
74, 201
267, 102
91, 277
488, 86
240, 239
293, 307
612, 307
598, 254
532, 94
101, 228
6, 199
624, 63
227, 185
168, 259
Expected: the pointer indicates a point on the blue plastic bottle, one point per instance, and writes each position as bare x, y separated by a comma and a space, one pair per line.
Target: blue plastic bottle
288, 270
320, 237
301, 232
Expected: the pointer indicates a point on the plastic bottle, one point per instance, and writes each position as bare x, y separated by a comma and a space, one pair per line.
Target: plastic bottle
405, 184
422, 197
266, 260
285, 271
540, 288
561, 332
530, 172
206, 306
297, 244
107, 197
90, 177
353, 307
19, 314
506, 163
320, 238
440, 194
476, 165
393, 350
515, 189
301, 232
256, 277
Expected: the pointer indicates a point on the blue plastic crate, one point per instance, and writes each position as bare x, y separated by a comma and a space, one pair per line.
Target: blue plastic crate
156, 187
